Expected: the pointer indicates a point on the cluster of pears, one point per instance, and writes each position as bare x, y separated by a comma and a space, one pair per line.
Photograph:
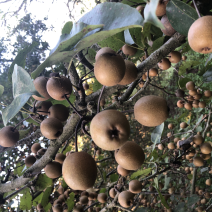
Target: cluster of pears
38, 151
193, 98
199, 151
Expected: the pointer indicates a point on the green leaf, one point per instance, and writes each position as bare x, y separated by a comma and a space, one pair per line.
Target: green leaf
131, 3
190, 176
70, 201
30, 120
37, 200
96, 85
180, 207
23, 133
142, 209
43, 181
67, 27
64, 102
136, 34
108, 15
103, 190
156, 134
187, 65
20, 58
156, 45
68, 149
192, 200
23, 88
46, 195
154, 155
182, 82
64, 185
114, 177
48, 207
141, 172
26, 200
209, 60
207, 76
150, 15
18, 171
90, 54
167, 180
115, 42
163, 201
181, 16
1, 90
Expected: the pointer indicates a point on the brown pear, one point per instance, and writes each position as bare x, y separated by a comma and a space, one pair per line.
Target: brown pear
43, 107
125, 199
30, 160
129, 49
161, 8
123, 172
8, 136
103, 51
58, 87
130, 156
51, 128
35, 147
60, 157
102, 198
79, 171
135, 186
164, 64
40, 86
175, 57
169, 30
58, 111
109, 129
53, 170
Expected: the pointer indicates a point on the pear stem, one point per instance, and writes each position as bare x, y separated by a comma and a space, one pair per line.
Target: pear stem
21, 122
196, 8
98, 106
72, 106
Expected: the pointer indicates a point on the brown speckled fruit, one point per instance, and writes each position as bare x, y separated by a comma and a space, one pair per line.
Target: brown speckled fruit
170, 126
129, 49
183, 125
199, 35
198, 139
40, 86
130, 73
130, 156
169, 30
164, 64
175, 57
153, 72
135, 186
184, 57
161, 8
198, 161
30, 160
102, 198
207, 93
43, 106
8, 136
85, 86
51, 128
180, 103
78, 208
123, 172
151, 110
57, 208
35, 147
60, 157
188, 106
58, 87
109, 69
79, 171
83, 200
112, 193
125, 199
206, 148
103, 51
190, 85
109, 129
53, 170
202, 104
58, 111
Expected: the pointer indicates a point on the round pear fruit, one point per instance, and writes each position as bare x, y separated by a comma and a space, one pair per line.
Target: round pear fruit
110, 129
198, 161
175, 57
125, 199
153, 72
151, 110
35, 147
30, 160
112, 193
135, 186
169, 30
129, 49
60, 157
130, 156
161, 8
53, 170
123, 172
58, 87
103, 51
8, 136
164, 64
130, 73
109, 69
206, 148
198, 139
79, 171
58, 111
51, 128
199, 35
102, 198
43, 107
40, 86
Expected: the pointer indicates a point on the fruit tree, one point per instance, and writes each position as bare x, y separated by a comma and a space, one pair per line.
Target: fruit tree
117, 117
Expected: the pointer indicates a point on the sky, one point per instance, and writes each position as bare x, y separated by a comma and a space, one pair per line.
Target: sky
57, 12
